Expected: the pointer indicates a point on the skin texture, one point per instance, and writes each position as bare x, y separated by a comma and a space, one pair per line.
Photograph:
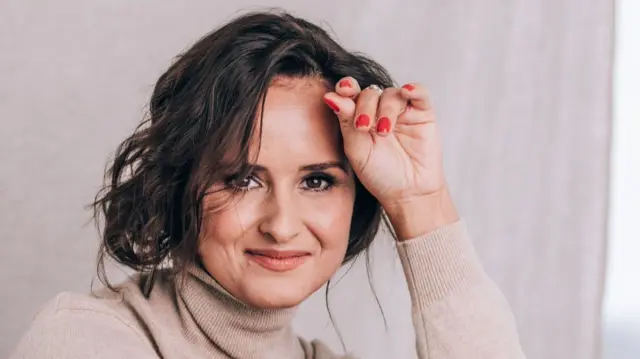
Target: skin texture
388, 139
285, 206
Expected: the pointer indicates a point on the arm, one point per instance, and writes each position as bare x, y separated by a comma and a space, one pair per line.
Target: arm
458, 312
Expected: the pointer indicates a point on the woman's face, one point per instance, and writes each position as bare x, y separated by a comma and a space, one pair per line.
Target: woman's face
288, 233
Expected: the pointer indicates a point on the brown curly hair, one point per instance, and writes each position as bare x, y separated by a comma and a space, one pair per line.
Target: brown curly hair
202, 116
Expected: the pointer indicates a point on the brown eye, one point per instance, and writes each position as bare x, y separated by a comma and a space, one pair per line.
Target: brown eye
245, 184
318, 183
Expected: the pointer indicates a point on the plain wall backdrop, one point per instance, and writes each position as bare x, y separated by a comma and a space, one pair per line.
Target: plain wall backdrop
522, 90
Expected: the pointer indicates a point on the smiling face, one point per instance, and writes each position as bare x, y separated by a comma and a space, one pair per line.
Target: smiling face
288, 233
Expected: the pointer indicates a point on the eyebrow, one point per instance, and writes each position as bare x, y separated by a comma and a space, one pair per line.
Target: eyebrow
325, 165
311, 167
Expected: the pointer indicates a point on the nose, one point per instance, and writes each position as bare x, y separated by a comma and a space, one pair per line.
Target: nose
281, 221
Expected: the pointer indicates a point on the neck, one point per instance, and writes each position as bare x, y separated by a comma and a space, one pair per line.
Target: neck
214, 318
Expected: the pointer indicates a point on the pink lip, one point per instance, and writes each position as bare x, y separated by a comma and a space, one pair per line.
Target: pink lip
277, 261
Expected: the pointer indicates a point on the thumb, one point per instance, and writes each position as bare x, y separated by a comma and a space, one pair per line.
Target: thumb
357, 144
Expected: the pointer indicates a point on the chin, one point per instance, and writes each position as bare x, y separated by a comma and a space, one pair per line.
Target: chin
277, 299
276, 295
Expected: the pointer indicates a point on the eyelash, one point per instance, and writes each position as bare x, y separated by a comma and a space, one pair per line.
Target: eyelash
329, 182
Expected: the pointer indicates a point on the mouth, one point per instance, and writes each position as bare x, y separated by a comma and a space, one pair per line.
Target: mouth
277, 261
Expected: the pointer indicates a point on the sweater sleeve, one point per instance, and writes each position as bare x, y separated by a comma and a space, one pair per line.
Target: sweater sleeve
458, 312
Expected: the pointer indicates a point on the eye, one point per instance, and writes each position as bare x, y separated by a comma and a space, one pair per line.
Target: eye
245, 184
318, 182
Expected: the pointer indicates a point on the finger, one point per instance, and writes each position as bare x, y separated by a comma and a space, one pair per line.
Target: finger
366, 109
348, 87
417, 95
343, 107
390, 106
357, 144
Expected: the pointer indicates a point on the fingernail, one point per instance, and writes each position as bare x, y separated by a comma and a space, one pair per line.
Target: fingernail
362, 121
344, 83
331, 104
384, 125
408, 87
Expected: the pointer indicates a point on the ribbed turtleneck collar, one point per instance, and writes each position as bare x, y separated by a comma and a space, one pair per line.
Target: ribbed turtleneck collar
219, 322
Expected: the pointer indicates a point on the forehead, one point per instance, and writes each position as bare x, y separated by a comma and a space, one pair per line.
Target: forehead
297, 128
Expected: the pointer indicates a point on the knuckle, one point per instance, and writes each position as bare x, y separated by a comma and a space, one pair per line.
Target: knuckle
389, 91
389, 110
368, 98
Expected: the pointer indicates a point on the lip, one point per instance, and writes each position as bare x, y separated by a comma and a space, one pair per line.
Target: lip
276, 260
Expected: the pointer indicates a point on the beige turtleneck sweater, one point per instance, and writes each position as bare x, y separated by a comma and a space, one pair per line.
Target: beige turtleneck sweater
457, 313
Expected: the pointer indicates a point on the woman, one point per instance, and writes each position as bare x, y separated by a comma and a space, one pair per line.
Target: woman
269, 158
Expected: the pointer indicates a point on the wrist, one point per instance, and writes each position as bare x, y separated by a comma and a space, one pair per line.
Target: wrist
421, 215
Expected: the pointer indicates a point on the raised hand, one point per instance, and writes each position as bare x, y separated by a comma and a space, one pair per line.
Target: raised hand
391, 140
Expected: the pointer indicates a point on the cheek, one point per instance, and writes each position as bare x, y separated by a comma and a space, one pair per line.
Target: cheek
224, 226
329, 220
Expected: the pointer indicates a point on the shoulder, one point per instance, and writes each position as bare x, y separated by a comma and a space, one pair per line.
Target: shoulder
101, 309
84, 326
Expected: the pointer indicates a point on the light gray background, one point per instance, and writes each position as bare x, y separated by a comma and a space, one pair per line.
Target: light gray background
522, 90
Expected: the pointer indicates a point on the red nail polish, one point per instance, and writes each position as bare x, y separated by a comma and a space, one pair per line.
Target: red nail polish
362, 121
344, 83
408, 87
332, 105
384, 125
